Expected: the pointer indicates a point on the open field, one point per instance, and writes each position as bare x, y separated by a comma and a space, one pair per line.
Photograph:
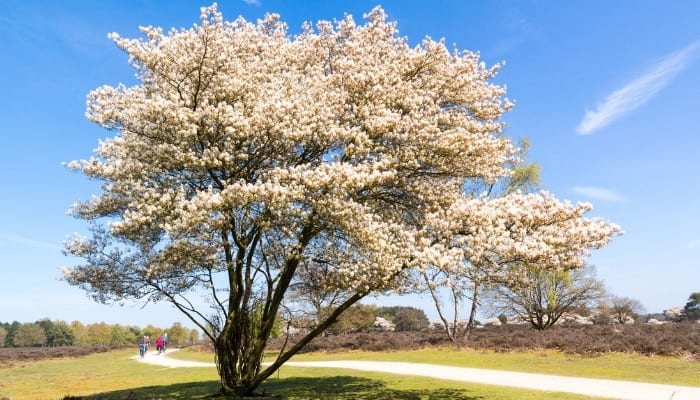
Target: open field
114, 375
618, 366
620, 353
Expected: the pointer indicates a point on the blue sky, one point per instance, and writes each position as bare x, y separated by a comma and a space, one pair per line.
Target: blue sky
606, 91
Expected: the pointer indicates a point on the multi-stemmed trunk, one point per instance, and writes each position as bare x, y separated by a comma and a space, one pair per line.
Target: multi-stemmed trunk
240, 351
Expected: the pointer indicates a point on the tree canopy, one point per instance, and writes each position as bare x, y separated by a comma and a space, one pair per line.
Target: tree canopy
245, 153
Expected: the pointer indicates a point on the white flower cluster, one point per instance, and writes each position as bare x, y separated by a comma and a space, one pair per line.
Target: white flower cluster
342, 141
479, 238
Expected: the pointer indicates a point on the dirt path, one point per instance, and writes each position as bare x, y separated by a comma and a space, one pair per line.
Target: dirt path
550, 383
152, 357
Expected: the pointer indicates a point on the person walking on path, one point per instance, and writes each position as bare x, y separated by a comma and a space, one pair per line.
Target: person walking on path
143, 346
160, 346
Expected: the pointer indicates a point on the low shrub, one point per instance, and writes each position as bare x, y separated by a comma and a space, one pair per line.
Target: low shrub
678, 339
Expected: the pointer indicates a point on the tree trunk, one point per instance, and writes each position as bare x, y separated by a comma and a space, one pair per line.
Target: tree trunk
472, 313
232, 348
239, 354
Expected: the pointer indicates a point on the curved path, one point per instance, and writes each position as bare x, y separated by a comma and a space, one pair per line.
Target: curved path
586, 386
152, 357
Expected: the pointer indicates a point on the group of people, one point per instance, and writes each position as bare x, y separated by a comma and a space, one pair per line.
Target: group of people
145, 342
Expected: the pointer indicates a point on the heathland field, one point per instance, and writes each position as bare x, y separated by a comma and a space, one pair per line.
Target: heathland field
115, 375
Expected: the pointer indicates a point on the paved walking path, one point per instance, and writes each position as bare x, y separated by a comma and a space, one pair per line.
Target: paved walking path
550, 383
152, 357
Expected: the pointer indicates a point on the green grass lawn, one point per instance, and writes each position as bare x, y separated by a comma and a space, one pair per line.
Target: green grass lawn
630, 367
619, 366
115, 376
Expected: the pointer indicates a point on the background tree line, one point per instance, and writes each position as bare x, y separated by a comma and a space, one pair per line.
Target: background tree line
46, 332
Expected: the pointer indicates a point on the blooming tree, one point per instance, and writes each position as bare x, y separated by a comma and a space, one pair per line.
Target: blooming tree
452, 288
500, 240
244, 153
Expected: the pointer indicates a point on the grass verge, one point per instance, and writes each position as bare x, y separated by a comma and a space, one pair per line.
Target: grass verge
115, 376
618, 366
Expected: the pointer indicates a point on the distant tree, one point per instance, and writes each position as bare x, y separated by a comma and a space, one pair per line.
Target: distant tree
543, 296
675, 314
29, 335
123, 335
11, 330
99, 334
58, 333
194, 335
405, 318
358, 318
3, 335
80, 333
503, 319
152, 332
177, 334
462, 285
312, 293
621, 309
497, 241
692, 307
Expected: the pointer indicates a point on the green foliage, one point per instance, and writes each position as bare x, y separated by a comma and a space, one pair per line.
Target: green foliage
61, 333
177, 334
525, 178
80, 333
122, 335
405, 318
29, 335
692, 307
115, 376
546, 295
11, 329
194, 335
57, 333
99, 334
358, 318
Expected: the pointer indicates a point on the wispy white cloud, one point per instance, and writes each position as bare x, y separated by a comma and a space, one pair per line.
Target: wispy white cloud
599, 193
637, 92
253, 2
23, 241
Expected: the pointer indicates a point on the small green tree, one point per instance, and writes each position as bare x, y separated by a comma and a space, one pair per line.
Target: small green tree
692, 307
58, 333
80, 333
543, 296
123, 335
11, 330
503, 318
358, 318
177, 334
3, 335
410, 319
99, 334
194, 335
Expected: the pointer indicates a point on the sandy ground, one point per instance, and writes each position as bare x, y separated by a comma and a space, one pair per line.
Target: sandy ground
550, 383
152, 357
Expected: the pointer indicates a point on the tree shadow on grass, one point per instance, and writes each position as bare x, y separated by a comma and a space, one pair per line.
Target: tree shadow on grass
337, 387
179, 391
356, 388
